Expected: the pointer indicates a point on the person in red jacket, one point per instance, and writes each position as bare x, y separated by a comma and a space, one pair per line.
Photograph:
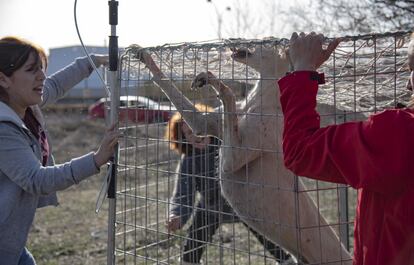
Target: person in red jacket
373, 156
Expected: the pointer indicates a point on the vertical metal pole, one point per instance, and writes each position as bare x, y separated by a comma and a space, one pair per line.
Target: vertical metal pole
343, 210
343, 215
113, 82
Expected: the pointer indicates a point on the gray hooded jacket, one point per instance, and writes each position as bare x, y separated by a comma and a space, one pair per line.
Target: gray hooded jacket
25, 184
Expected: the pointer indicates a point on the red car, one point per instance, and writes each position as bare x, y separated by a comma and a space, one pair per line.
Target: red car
134, 109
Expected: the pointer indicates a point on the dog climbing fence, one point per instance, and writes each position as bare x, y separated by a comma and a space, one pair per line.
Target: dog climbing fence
366, 74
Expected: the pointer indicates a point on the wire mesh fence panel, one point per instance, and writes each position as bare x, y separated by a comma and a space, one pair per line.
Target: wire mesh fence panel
209, 185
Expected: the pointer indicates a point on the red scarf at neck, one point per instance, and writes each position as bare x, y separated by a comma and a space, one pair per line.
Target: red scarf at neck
36, 129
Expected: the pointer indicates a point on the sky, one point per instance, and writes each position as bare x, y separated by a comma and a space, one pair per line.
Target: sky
51, 24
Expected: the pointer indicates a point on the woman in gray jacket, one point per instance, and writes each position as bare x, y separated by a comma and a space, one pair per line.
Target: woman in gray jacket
28, 177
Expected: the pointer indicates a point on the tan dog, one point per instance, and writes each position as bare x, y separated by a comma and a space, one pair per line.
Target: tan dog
253, 178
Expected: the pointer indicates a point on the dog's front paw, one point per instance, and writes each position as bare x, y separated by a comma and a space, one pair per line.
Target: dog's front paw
145, 57
201, 80
141, 54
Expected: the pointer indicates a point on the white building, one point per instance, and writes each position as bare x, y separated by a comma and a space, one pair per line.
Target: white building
89, 89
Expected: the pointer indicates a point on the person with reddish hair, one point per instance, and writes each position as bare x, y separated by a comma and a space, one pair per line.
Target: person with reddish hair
29, 178
198, 173
373, 156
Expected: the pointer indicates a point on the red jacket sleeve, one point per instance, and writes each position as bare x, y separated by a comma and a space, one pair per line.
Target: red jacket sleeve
373, 154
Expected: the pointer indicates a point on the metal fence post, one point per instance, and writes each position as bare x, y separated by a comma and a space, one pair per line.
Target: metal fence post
114, 85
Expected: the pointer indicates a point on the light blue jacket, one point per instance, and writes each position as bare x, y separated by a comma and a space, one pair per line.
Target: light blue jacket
25, 184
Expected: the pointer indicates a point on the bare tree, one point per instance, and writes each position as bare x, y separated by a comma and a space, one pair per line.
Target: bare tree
245, 22
259, 19
352, 16
253, 19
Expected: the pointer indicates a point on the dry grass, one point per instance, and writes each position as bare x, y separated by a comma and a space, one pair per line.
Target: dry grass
73, 234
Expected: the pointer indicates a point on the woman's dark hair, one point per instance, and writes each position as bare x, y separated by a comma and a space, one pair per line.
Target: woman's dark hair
174, 133
14, 52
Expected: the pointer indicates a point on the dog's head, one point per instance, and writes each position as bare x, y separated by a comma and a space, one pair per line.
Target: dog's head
262, 58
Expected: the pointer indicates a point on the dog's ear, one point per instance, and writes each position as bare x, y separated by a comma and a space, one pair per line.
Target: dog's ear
283, 52
282, 59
